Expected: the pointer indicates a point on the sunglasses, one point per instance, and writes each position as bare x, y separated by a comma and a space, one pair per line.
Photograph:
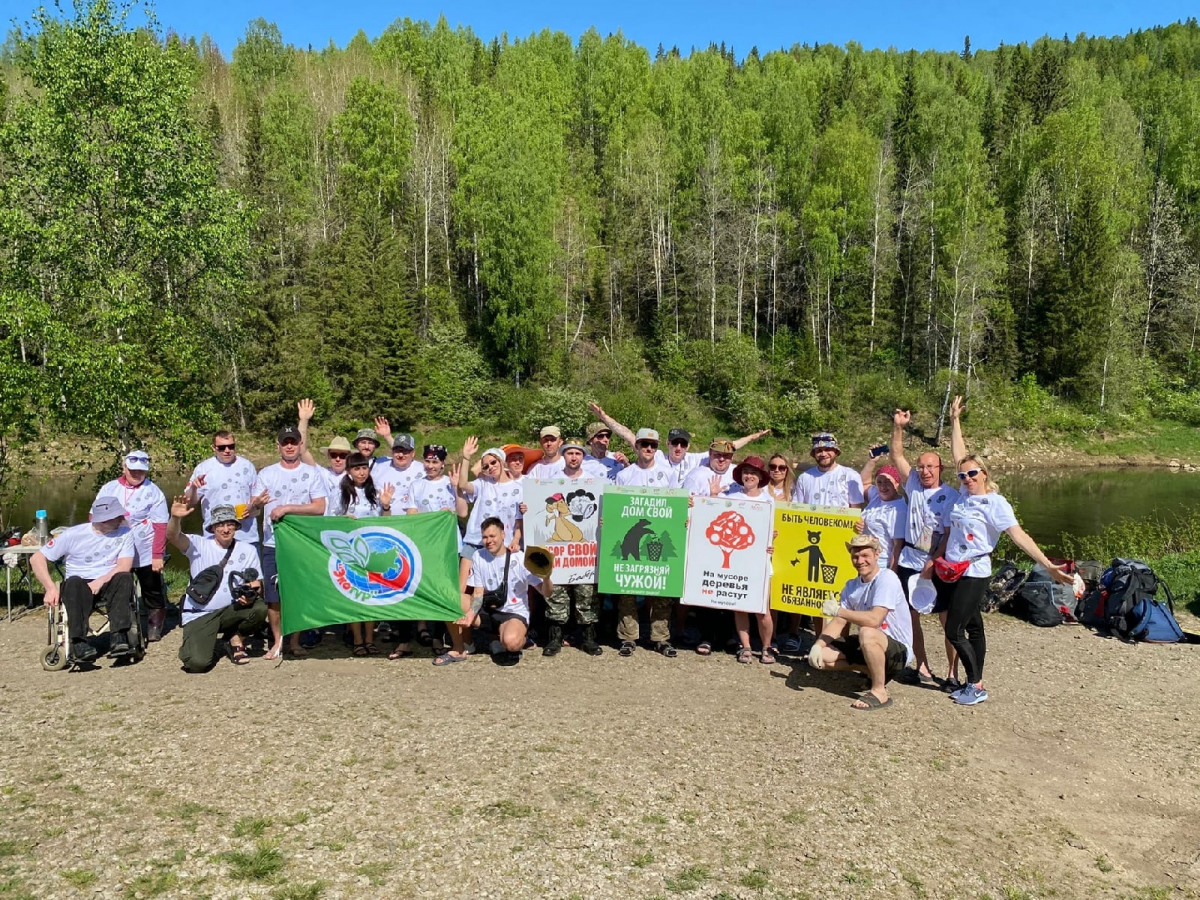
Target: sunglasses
490, 463
339, 455
777, 468
289, 442
651, 444
970, 473
679, 443
403, 450
221, 448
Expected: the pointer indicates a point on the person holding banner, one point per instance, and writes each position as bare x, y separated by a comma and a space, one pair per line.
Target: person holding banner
874, 603
716, 475
500, 585
751, 477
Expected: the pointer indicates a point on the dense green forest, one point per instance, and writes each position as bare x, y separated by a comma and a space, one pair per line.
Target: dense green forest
447, 230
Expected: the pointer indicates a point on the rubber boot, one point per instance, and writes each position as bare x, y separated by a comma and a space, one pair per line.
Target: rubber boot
554, 645
154, 624
590, 645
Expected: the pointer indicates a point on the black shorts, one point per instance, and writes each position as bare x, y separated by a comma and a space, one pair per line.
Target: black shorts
499, 618
895, 657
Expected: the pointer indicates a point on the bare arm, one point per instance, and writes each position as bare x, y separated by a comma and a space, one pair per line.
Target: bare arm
41, 571
1030, 547
868, 473
871, 618
179, 510
469, 448
958, 447
900, 420
304, 410
618, 429
743, 441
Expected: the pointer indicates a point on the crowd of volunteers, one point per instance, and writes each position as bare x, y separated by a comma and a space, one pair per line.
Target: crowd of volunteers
922, 546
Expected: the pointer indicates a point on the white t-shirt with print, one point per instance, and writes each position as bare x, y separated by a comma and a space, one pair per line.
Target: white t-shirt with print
885, 520
680, 470
333, 488
547, 469
883, 590
487, 571
298, 486
976, 524
925, 520
500, 499
359, 506
203, 552
698, 481
657, 476
430, 496
227, 485
146, 506
601, 467
88, 553
840, 486
385, 474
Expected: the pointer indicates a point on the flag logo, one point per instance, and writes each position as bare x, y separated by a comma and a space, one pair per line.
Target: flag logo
375, 566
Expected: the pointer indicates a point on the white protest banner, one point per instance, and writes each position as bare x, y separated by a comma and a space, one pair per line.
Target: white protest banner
727, 554
562, 515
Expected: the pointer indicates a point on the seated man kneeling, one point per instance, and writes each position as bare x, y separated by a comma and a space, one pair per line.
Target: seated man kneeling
507, 603
874, 601
98, 561
224, 615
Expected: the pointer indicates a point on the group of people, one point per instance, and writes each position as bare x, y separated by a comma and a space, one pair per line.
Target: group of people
917, 537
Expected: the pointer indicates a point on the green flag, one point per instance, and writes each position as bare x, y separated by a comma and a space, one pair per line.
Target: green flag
334, 570
643, 535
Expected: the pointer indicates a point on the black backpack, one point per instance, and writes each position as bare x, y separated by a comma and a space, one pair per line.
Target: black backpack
1125, 584
1041, 601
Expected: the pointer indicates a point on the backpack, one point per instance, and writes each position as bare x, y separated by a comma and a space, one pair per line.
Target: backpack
1042, 601
1006, 581
1124, 604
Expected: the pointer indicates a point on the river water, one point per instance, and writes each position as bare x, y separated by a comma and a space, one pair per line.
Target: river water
1049, 503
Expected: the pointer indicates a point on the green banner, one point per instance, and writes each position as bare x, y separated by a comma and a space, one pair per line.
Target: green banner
334, 570
643, 536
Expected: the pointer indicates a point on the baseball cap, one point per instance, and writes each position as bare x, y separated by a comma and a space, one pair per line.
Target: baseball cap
597, 428
434, 450
221, 514
138, 461
404, 442
678, 434
288, 433
105, 509
550, 431
367, 434
572, 445
646, 434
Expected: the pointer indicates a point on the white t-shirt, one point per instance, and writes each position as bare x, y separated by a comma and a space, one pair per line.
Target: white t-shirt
203, 552
548, 469
430, 496
359, 506
885, 520
601, 467
680, 470
227, 485
925, 519
385, 474
492, 498
658, 476
146, 506
287, 487
840, 486
332, 483
697, 481
883, 590
88, 553
976, 524
487, 572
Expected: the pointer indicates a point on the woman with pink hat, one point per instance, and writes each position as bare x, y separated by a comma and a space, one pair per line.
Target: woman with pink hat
885, 513
752, 480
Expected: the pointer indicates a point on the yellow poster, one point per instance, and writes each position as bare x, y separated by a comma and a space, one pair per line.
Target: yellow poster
811, 562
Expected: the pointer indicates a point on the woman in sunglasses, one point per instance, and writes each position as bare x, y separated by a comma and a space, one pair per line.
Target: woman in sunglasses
781, 480
962, 567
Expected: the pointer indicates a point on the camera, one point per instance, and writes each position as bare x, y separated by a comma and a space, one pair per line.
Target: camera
879, 450
243, 589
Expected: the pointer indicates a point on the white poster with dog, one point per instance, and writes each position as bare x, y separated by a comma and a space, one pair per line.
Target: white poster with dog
727, 554
561, 514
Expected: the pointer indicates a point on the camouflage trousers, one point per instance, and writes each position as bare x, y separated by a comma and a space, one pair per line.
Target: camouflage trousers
587, 604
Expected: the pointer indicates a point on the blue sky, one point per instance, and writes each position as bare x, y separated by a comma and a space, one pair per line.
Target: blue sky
767, 24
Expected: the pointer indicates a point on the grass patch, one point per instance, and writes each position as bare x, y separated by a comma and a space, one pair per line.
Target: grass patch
14, 848
914, 883
374, 871
187, 811
654, 819
299, 818
509, 809
153, 883
81, 878
756, 879
1103, 864
261, 864
310, 891
687, 880
795, 817
251, 826
855, 875
643, 859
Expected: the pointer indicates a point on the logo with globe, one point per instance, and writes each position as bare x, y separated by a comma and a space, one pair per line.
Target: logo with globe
376, 566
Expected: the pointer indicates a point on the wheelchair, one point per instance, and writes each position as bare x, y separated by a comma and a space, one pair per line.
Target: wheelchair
57, 654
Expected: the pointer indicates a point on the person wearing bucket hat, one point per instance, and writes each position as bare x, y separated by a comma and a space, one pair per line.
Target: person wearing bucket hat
874, 603
219, 626
715, 475
97, 559
827, 483
599, 463
148, 514
678, 459
225, 479
885, 512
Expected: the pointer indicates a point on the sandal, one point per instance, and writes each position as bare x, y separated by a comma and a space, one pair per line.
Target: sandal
768, 657
665, 648
400, 654
447, 659
627, 648
424, 638
359, 650
870, 703
745, 655
704, 648
372, 650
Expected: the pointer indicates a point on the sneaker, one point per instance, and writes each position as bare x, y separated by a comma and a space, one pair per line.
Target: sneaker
82, 651
952, 686
627, 648
120, 644
970, 695
508, 658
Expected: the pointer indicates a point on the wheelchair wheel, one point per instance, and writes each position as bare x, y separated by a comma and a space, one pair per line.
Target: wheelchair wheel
54, 658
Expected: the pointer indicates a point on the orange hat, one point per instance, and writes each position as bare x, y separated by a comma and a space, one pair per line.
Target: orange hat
531, 454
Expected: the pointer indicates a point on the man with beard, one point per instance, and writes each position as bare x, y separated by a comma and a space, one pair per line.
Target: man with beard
828, 483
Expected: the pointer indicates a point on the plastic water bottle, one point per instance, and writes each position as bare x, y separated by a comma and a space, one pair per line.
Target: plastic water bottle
41, 526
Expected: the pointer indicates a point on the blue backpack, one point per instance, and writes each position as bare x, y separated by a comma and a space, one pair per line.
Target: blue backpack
1126, 604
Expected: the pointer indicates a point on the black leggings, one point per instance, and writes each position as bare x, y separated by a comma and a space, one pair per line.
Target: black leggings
963, 601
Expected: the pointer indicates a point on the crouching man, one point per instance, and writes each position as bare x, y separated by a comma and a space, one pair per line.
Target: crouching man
98, 561
501, 584
224, 600
875, 602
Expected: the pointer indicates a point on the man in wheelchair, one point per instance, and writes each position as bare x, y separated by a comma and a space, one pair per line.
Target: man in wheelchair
224, 600
98, 562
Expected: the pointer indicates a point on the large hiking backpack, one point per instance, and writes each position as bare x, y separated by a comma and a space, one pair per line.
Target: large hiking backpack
1042, 601
1006, 581
1125, 604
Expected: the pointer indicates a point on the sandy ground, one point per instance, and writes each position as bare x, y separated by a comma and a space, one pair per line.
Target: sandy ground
600, 777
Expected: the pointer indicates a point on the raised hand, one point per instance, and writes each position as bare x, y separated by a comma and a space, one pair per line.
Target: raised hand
901, 417
197, 482
305, 409
180, 508
259, 502
470, 447
714, 485
620, 457
595, 409
453, 472
383, 428
386, 495
957, 407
